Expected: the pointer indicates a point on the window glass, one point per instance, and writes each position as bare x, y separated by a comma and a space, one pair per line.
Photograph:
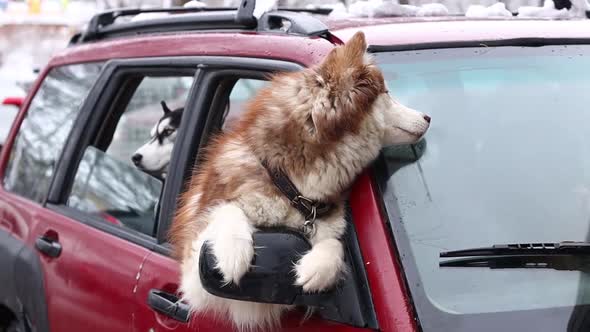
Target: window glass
243, 90
506, 160
113, 187
46, 127
144, 111
115, 191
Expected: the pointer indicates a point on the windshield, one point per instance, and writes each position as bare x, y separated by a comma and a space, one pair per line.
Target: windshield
506, 160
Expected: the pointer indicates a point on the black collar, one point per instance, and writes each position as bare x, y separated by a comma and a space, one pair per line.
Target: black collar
308, 208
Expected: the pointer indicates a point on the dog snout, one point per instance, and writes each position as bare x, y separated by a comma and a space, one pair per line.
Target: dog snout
136, 158
426, 117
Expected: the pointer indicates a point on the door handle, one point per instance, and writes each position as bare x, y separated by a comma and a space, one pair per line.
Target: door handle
47, 246
169, 305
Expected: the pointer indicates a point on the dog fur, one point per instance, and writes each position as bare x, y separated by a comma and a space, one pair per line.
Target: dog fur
322, 126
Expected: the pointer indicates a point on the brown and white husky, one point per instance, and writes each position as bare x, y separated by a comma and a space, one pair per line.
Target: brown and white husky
320, 127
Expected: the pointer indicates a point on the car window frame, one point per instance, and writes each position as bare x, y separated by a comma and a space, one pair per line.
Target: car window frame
95, 111
7, 148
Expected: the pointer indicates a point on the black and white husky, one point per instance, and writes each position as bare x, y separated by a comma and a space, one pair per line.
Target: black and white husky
154, 156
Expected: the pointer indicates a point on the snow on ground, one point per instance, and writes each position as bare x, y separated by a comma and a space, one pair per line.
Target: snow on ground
195, 3
453, 6
384, 8
433, 9
547, 11
475, 8
578, 10
495, 10
263, 6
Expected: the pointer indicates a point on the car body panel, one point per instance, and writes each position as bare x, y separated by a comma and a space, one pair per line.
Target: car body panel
162, 273
386, 280
93, 277
95, 274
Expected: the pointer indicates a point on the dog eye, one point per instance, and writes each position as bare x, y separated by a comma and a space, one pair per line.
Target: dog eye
168, 132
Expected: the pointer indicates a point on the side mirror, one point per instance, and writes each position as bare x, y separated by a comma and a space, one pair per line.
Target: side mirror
271, 278
14, 101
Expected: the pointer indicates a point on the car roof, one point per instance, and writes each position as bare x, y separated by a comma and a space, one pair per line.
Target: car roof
393, 31
302, 50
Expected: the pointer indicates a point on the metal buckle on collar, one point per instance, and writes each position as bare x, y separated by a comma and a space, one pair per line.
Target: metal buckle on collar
306, 202
309, 228
309, 224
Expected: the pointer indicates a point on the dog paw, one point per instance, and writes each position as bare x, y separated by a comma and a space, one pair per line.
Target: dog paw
230, 236
321, 267
233, 258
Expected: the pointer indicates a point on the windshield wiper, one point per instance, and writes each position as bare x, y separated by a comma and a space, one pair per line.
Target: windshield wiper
567, 255
524, 249
562, 263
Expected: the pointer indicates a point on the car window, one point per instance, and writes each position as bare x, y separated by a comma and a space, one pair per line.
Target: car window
108, 184
144, 111
243, 90
44, 131
115, 191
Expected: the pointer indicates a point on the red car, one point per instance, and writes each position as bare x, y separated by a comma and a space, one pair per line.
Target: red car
507, 160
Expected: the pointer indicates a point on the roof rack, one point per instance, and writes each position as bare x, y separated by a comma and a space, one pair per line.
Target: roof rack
285, 20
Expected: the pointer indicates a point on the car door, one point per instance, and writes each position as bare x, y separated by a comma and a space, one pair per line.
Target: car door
222, 90
87, 274
96, 225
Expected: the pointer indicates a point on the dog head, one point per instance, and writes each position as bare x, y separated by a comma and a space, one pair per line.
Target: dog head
154, 156
353, 90
332, 119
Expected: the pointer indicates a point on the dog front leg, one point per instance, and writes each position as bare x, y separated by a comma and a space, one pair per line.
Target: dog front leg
230, 235
322, 266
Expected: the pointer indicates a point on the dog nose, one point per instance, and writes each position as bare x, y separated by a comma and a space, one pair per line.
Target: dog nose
427, 118
136, 158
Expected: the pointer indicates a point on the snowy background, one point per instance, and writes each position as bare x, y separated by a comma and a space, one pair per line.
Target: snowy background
31, 31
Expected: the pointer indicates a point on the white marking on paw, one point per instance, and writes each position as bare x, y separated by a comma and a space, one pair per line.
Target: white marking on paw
231, 241
321, 267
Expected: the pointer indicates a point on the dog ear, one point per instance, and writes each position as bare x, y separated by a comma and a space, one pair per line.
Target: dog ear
165, 107
343, 58
356, 48
350, 86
